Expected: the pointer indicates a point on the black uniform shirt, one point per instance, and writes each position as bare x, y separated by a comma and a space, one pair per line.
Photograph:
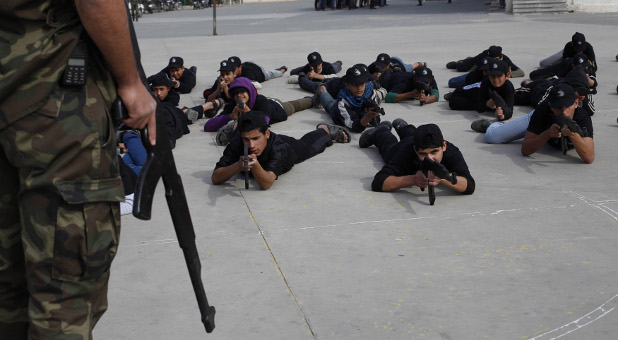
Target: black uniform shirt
543, 118
277, 157
406, 162
506, 91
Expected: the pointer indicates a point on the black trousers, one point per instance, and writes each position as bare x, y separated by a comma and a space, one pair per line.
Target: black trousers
309, 145
389, 146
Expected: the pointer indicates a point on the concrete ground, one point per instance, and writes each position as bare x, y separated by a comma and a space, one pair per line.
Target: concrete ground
320, 256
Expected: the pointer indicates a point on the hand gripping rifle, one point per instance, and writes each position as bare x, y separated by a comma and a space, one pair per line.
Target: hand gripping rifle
373, 106
439, 171
573, 126
500, 102
422, 88
160, 164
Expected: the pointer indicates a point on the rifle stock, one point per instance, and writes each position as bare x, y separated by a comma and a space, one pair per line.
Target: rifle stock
501, 103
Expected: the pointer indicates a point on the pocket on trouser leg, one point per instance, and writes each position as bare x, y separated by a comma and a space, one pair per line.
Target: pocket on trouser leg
86, 232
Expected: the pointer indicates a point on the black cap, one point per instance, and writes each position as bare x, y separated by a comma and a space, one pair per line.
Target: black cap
581, 59
251, 120
235, 60
498, 68
160, 79
383, 60
579, 42
175, 62
428, 136
561, 95
423, 74
485, 63
227, 65
397, 65
314, 59
494, 51
355, 75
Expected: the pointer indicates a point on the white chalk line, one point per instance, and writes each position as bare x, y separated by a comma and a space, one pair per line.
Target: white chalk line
575, 325
597, 204
151, 243
467, 214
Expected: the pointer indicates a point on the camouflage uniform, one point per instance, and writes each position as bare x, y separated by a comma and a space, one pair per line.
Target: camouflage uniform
59, 210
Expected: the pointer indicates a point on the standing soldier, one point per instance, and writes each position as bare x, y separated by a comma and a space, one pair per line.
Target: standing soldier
59, 206
135, 9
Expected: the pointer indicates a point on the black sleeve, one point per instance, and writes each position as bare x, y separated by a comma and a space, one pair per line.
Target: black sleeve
584, 121
231, 154
589, 51
568, 50
454, 161
172, 97
507, 92
483, 97
187, 81
327, 68
211, 90
510, 63
404, 163
539, 120
280, 160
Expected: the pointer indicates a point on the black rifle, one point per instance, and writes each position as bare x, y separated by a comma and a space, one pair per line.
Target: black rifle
500, 102
373, 106
573, 126
422, 88
439, 171
160, 165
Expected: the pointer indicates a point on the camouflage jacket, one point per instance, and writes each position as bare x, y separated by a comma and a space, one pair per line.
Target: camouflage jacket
36, 40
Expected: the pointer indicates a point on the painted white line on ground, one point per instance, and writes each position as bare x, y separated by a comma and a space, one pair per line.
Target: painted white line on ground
584, 321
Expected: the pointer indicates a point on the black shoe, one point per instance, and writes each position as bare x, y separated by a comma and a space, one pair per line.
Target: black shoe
448, 96
481, 125
451, 65
194, 69
368, 138
301, 75
399, 124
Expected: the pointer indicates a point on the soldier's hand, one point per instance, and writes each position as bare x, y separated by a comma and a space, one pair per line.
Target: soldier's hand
499, 113
433, 180
253, 161
423, 97
565, 131
141, 107
310, 75
420, 180
554, 131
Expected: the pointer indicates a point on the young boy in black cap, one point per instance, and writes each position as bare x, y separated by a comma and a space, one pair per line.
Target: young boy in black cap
270, 154
473, 97
184, 78
316, 69
403, 158
419, 85
578, 44
544, 127
354, 107
255, 72
493, 51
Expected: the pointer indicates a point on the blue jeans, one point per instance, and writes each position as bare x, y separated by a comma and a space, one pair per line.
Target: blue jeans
409, 67
506, 132
136, 157
328, 102
457, 82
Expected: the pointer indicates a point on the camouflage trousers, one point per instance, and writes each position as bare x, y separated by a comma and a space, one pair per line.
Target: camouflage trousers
59, 218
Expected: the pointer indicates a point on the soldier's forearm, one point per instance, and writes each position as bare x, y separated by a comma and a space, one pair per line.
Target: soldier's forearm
107, 24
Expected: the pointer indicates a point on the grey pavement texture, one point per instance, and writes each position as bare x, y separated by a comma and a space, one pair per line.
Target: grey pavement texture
320, 256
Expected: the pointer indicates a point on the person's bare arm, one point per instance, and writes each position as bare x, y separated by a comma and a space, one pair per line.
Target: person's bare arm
107, 24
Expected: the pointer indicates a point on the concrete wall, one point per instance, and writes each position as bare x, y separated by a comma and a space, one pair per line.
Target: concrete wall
593, 5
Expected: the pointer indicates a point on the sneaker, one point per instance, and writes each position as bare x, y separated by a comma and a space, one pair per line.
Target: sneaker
399, 124
481, 125
293, 79
451, 65
256, 85
192, 115
224, 136
448, 95
368, 138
